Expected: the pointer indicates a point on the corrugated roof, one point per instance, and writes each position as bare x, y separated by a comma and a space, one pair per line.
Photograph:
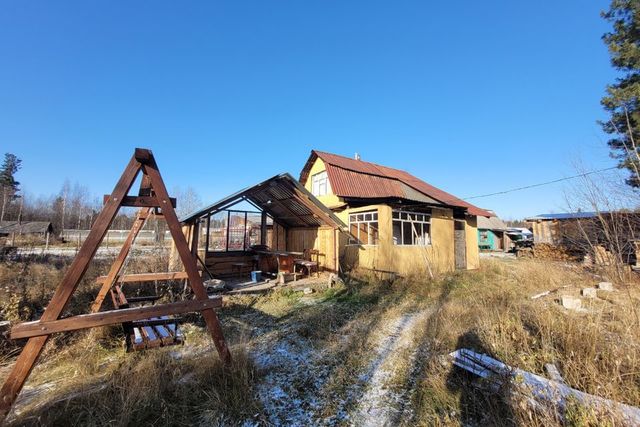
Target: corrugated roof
491, 223
357, 178
566, 215
283, 198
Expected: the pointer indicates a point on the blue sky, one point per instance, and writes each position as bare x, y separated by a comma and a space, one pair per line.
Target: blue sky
473, 97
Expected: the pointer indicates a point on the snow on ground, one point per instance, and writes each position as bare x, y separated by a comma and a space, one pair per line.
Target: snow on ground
380, 404
292, 388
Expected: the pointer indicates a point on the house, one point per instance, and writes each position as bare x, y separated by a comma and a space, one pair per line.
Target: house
351, 213
493, 234
20, 229
396, 221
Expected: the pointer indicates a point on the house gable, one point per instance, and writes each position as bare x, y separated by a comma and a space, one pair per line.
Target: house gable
330, 199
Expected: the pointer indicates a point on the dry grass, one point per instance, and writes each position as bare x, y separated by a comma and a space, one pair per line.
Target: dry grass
94, 385
491, 312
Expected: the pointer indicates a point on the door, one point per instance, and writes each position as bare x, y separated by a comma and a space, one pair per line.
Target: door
460, 244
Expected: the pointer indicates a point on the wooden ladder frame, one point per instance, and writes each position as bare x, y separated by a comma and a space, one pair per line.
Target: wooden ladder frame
152, 195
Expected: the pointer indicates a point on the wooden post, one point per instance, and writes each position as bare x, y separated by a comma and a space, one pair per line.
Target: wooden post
263, 228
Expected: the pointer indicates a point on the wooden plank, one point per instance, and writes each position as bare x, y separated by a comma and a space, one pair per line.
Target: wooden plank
140, 201
104, 318
146, 277
29, 355
188, 260
110, 278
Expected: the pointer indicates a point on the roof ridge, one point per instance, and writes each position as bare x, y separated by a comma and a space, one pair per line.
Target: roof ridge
377, 165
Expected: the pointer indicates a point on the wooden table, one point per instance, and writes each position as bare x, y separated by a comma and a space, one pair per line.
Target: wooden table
284, 258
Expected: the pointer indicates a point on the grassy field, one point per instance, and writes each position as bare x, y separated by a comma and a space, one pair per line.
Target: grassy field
362, 352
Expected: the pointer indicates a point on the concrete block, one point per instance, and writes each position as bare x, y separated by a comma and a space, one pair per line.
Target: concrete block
589, 292
605, 286
571, 303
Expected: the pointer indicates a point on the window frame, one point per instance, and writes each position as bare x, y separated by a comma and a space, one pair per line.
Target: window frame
364, 218
246, 234
412, 218
320, 180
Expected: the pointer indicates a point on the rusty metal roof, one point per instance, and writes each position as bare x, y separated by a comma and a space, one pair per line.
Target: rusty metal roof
282, 197
359, 179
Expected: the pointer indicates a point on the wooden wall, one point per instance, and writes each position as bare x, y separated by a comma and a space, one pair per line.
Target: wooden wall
321, 239
220, 264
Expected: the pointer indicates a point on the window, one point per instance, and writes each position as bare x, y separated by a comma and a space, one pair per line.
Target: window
411, 228
320, 184
254, 227
363, 227
237, 230
232, 231
218, 231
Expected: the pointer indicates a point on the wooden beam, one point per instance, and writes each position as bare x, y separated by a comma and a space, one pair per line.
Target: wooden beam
188, 261
146, 277
141, 201
110, 278
104, 318
29, 355
143, 155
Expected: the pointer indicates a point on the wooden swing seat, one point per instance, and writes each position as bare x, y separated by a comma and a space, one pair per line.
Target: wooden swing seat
155, 332
149, 333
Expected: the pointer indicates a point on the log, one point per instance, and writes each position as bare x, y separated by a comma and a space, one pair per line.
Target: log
538, 389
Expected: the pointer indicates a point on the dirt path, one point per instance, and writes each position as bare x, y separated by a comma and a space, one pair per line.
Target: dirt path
291, 390
381, 404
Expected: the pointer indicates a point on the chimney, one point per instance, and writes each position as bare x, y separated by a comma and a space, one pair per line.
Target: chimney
357, 156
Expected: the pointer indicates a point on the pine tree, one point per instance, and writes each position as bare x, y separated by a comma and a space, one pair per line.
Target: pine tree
8, 184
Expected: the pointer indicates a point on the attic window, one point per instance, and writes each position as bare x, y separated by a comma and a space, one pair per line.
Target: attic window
411, 228
320, 184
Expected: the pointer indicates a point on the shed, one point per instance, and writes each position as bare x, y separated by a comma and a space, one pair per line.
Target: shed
278, 214
26, 228
493, 234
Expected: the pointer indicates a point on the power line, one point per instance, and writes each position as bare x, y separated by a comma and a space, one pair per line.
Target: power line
541, 184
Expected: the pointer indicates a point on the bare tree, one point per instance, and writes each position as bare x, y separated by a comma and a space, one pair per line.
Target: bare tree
188, 200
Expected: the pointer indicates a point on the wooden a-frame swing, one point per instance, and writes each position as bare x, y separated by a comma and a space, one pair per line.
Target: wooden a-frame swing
152, 196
